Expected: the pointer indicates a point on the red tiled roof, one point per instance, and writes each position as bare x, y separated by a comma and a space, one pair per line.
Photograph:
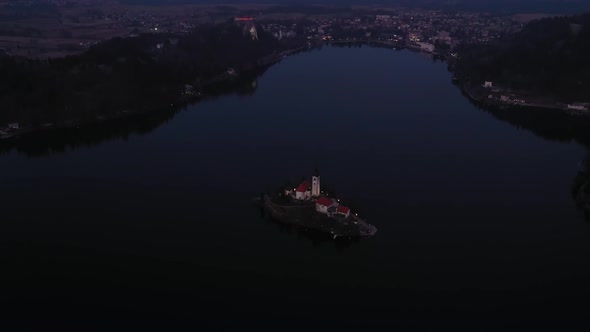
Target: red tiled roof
324, 201
343, 209
303, 187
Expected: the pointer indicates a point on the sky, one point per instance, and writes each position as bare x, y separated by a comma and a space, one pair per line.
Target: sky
546, 6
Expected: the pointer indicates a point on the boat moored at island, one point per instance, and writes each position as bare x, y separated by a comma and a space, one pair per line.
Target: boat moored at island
305, 206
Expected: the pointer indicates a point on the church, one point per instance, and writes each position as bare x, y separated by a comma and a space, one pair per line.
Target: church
307, 191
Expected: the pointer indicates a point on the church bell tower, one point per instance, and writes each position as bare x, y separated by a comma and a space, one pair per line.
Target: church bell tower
315, 184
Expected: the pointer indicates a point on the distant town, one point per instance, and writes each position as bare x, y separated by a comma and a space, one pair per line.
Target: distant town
184, 52
62, 28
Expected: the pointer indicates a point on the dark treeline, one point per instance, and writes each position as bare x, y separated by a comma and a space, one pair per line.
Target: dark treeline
548, 57
127, 75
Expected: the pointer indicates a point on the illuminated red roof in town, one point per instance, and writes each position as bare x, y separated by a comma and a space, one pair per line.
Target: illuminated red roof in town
324, 201
343, 209
243, 19
303, 187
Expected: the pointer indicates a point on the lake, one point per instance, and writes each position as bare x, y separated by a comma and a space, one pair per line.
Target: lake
477, 224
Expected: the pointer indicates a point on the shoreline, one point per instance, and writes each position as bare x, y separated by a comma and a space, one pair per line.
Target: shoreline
218, 86
467, 91
232, 82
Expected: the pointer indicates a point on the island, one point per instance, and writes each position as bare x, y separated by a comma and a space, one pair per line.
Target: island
307, 207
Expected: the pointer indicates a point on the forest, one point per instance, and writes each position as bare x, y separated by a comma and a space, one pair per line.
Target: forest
127, 75
547, 57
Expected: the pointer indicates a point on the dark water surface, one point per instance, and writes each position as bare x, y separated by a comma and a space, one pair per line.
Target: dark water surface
477, 223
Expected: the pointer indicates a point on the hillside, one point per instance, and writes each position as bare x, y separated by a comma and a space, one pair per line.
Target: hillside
549, 57
127, 75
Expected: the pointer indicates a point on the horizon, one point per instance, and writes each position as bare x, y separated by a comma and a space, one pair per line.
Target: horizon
507, 6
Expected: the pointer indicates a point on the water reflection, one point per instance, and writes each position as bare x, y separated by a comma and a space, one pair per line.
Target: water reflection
549, 125
316, 238
63, 140
555, 126
66, 139
581, 187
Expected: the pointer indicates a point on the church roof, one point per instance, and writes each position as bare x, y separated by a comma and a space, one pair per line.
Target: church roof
324, 201
303, 187
343, 209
